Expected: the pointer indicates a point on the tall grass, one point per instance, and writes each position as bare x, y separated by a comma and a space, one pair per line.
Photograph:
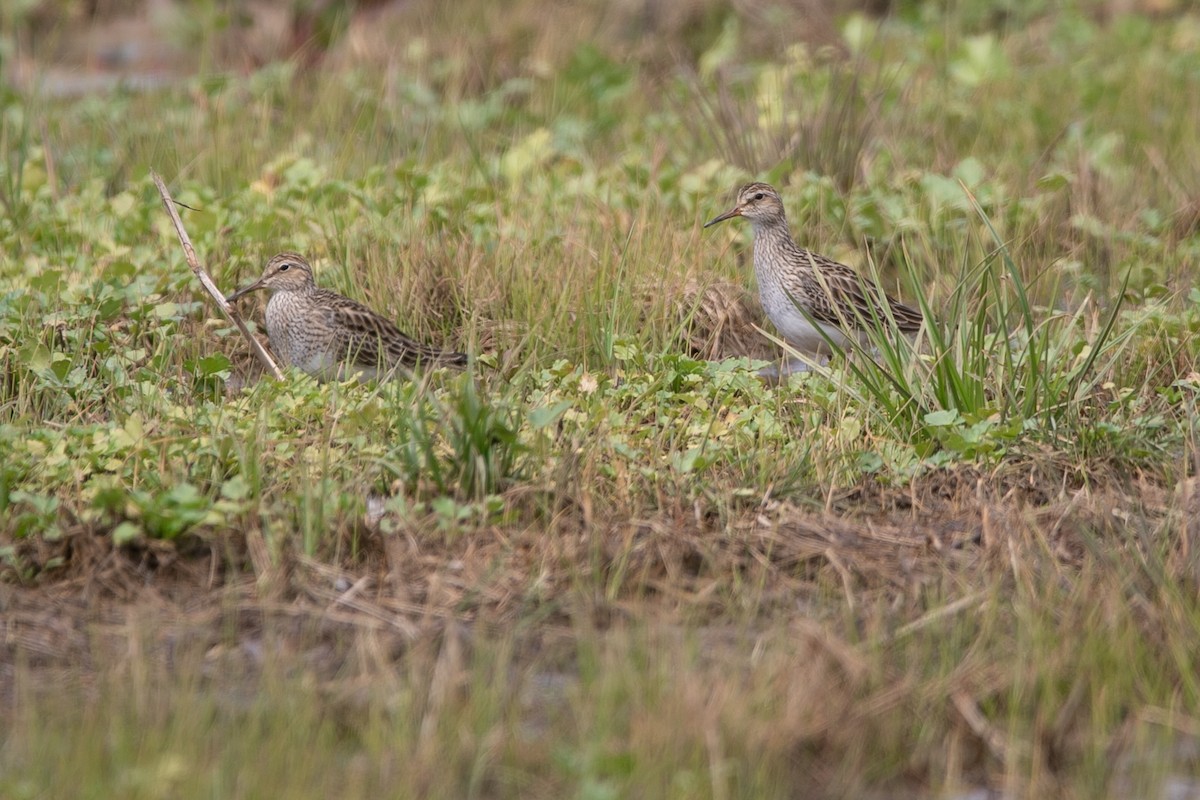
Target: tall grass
986, 360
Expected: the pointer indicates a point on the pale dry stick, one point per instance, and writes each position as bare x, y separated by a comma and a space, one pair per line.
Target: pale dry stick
948, 610
1169, 718
447, 673
847, 580
207, 282
991, 736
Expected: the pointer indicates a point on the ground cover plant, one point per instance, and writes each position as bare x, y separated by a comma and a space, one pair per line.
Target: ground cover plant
607, 560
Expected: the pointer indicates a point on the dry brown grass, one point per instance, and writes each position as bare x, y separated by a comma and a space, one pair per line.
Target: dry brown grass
839, 609
871, 541
715, 319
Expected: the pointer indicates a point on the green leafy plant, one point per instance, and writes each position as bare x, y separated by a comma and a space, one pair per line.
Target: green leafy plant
988, 366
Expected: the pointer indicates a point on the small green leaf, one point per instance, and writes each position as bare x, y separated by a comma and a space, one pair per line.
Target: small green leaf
125, 533
236, 488
49, 281
166, 310
212, 365
1053, 181
694, 460
625, 351
122, 204
548, 415
532, 151
134, 427
942, 418
970, 171
37, 357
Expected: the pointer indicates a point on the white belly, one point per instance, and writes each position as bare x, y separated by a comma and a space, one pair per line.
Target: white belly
802, 334
791, 323
321, 366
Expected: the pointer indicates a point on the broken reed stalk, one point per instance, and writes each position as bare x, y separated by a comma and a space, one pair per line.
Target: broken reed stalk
207, 282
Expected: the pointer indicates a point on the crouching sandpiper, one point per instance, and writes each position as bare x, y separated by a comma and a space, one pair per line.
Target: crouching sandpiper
332, 337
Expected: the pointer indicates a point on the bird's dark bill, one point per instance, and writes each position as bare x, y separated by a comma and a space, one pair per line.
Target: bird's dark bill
242, 291
736, 211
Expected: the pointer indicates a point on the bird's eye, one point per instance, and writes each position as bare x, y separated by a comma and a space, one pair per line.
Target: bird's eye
758, 196
284, 267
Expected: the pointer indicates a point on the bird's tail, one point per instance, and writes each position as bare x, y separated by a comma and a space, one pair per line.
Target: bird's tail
452, 359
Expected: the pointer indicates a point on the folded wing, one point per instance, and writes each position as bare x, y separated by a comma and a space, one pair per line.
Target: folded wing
373, 342
838, 298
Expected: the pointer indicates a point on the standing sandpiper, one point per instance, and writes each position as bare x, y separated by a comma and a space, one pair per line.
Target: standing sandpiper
330, 336
791, 278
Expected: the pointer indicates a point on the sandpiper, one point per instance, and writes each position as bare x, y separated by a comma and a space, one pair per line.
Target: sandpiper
791, 278
332, 337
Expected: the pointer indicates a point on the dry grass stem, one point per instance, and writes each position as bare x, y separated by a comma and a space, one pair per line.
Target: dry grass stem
207, 282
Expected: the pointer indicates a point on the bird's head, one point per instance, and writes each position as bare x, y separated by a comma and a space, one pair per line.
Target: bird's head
286, 272
757, 202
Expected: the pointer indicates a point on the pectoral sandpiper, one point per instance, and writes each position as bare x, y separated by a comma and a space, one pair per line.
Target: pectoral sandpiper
791, 278
330, 336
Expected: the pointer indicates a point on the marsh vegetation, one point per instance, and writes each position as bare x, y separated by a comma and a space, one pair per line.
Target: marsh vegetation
607, 560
